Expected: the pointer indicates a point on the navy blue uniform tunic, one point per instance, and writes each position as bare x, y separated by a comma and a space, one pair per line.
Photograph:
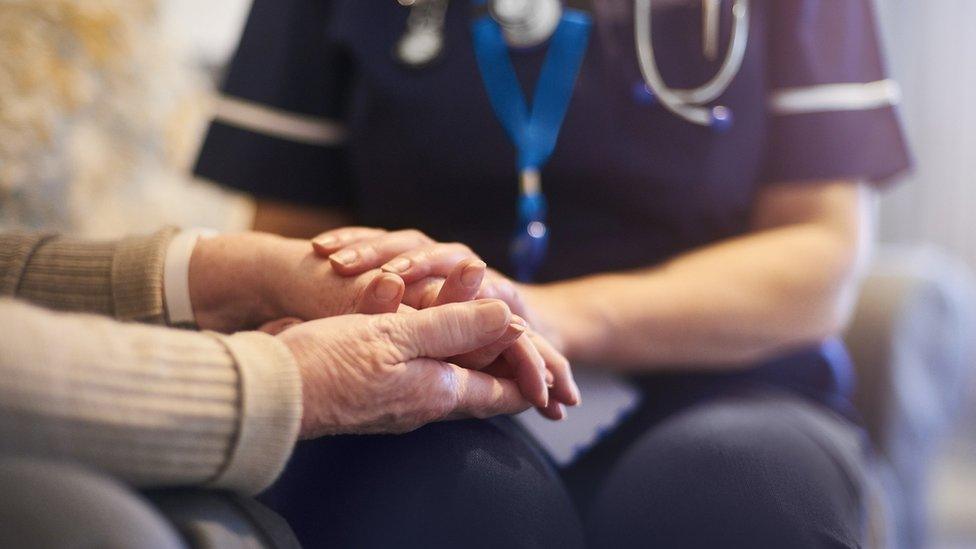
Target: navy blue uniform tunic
316, 110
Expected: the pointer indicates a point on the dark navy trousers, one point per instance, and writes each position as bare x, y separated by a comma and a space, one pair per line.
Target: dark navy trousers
733, 465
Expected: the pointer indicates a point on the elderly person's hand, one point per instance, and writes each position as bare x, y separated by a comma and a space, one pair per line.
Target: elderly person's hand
422, 263
392, 373
240, 281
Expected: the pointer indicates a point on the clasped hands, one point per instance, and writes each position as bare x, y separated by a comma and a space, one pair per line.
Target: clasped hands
390, 330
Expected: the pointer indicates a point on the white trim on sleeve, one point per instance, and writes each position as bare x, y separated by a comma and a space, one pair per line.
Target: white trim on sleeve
259, 118
176, 275
835, 97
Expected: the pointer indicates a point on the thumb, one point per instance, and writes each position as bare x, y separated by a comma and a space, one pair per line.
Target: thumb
275, 327
449, 330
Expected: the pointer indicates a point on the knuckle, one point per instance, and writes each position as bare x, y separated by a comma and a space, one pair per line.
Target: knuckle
459, 248
349, 233
414, 234
388, 332
367, 252
443, 391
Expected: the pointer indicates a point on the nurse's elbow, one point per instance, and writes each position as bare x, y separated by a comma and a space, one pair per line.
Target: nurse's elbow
823, 303
834, 299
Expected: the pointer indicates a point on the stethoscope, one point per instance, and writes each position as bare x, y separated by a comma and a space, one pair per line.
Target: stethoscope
528, 23
691, 104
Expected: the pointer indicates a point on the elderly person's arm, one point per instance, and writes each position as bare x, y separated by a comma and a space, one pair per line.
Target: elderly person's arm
157, 406
152, 406
231, 282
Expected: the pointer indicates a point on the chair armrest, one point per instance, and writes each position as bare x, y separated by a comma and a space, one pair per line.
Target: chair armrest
911, 340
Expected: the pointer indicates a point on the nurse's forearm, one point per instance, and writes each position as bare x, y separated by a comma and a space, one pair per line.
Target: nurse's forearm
295, 220
724, 305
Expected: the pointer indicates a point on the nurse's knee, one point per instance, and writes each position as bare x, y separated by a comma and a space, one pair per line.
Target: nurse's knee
732, 473
466, 483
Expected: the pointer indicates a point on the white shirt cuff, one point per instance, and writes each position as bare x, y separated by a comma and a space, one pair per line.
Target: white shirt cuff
176, 275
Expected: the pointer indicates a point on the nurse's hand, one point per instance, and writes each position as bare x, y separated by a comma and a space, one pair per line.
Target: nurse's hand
392, 373
421, 262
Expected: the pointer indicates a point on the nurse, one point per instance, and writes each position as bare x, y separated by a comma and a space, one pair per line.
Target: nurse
715, 269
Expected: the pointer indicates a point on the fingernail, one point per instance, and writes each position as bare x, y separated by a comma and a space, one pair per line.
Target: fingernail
326, 241
515, 331
386, 289
516, 319
562, 412
550, 379
494, 315
345, 257
472, 274
398, 265
578, 395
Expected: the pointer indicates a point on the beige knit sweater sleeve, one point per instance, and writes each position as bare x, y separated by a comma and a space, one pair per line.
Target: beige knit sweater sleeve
155, 406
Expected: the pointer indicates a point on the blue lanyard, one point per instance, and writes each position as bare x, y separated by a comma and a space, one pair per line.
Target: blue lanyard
534, 132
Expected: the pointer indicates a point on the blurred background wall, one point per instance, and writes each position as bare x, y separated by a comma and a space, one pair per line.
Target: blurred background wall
932, 52
101, 112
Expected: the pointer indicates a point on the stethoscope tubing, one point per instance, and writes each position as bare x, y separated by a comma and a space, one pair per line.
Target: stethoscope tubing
688, 103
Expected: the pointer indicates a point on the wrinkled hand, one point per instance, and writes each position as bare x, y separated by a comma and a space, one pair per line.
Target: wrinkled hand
422, 263
239, 281
392, 373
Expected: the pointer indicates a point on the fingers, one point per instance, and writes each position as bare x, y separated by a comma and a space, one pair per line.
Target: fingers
482, 396
497, 286
423, 294
563, 387
370, 254
434, 259
464, 282
448, 330
529, 369
332, 241
383, 295
555, 411
485, 356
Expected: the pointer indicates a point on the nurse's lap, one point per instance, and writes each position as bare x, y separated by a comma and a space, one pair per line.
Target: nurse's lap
455, 484
762, 468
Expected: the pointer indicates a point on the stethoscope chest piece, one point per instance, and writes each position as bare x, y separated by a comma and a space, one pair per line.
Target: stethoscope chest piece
422, 42
526, 23
419, 48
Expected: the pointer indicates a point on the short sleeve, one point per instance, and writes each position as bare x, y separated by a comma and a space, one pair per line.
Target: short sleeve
279, 121
832, 106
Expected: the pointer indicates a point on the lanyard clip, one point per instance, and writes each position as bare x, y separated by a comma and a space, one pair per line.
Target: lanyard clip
531, 240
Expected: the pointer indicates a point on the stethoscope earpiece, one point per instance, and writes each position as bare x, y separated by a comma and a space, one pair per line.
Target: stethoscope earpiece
423, 41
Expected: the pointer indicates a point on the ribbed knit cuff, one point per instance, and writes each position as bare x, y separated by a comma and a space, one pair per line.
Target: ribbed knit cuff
122, 279
271, 411
137, 277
